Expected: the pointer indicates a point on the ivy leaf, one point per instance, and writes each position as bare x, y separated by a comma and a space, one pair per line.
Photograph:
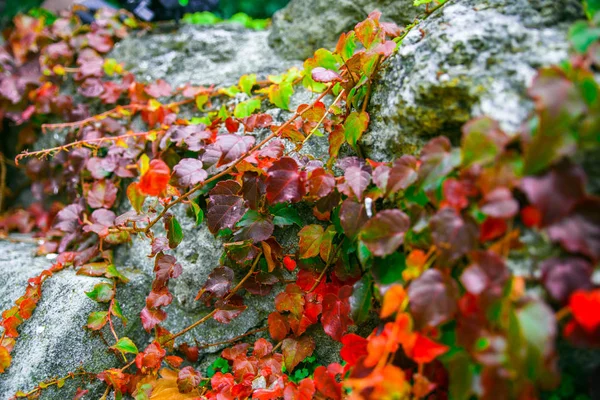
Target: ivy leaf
233, 147
278, 326
5, 359
580, 231
353, 216
118, 312
292, 300
563, 276
246, 108
452, 235
310, 240
383, 233
284, 215
151, 317
327, 243
102, 292
125, 345
356, 124
361, 299
174, 231
165, 267
219, 282
225, 207
320, 183
357, 178
97, 320
438, 159
159, 298
102, 194
189, 172
296, 350
253, 188
433, 299
336, 313
197, 212
280, 95
188, 379
135, 196
155, 180
482, 141
425, 350
320, 74
227, 310
403, 173
285, 182
255, 226
246, 83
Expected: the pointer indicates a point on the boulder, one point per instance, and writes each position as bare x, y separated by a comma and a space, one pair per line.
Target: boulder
307, 25
469, 58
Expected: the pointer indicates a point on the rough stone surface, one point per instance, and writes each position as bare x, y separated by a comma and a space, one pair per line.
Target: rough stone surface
469, 58
53, 342
200, 55
307, 25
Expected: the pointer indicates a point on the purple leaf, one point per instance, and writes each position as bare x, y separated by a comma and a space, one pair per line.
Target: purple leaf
219, 281
189, 172
384, 233
353, 216
68, 219
320, 74
233, 147
357, 178
563, 276
452, 235
433, 299
486, 275
165, 267
102, 194
499, 203
255, 226
225, 206
285, 182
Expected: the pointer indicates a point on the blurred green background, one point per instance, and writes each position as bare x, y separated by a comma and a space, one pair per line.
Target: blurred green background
227, 8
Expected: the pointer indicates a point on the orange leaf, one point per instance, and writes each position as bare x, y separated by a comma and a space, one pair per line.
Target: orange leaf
155, 179
165, 388
5, 359
395, 299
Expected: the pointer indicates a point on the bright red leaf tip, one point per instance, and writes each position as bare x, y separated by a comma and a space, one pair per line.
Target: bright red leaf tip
354, 347
155, 179
425, 350
584, 306
531, 217
289, 263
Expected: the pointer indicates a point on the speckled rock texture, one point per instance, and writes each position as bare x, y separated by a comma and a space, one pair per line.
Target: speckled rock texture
307, 25
469, 58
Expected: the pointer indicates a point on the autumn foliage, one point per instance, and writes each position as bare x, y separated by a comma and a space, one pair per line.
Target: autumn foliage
406, 261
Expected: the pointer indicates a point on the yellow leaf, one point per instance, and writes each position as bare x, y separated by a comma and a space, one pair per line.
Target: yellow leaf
165, 388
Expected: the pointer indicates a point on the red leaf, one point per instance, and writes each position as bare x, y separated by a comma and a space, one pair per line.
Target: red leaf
425, 350
384, 233
584, 306
151, 358
26, 308
159, 88
320, 183
102, 194
159, 298
278, 326
326, 384
188, 379
492, 228
285, 182
336, 313
304, 390
354, 347
432, 298
296, 350
291, 300
155, 179
531, 217
151, 317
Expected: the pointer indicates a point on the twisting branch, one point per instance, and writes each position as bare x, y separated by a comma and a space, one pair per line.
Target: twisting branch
213, 312
87, 143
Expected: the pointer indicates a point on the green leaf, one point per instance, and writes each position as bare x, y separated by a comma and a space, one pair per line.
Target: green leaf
388, 270
356, 124
112, 272
280, 95
582, 35
97, 320
197, 212
482, 141
201, 100
220, 364
174, 231
135, 196
246, 108
125, 345
591, 7
102, 292
183, 3
284, 215
247, 82
461, 372
118, 312
361, 299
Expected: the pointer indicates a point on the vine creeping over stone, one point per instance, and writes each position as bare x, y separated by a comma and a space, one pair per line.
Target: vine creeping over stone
416, 246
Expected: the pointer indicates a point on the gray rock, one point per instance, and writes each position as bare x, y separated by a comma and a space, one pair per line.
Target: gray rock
469, 58
200, 55
53, 342
307, 25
